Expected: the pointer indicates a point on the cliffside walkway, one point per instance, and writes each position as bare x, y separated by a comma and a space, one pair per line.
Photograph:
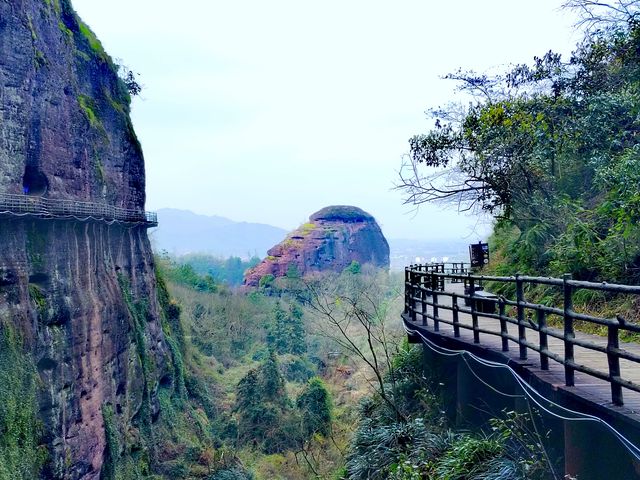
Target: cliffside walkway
50, 208
596, 368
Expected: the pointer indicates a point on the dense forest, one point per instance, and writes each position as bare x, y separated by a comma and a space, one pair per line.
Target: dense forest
312, 378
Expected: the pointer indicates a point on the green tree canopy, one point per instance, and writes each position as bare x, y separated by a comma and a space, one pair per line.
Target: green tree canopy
286, 330
316, 408
551, 150
263, 408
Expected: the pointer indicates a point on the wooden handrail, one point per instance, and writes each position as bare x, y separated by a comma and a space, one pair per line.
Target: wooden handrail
424, 287
22, 205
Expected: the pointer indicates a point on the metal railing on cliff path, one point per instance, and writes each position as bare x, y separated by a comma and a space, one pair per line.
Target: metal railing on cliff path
430, 301
51, 208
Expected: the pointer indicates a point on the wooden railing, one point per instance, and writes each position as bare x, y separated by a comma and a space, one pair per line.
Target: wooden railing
22, 205
424, 288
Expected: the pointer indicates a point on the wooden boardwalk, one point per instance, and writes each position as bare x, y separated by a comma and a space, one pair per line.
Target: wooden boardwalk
586, 386
12, 205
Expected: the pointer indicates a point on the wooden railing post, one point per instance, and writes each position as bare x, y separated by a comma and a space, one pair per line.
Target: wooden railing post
503, 325
569, 334
423, 299
474, 312
544, 344
613, 344
412, 299
456, 321
522, 330
434, 296
407, 289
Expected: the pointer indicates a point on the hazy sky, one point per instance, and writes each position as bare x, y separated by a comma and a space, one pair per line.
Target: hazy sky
266, 111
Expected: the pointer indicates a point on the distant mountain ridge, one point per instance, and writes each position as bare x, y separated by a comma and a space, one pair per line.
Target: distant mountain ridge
182, 231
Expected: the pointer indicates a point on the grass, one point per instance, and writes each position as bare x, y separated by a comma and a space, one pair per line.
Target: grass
21, 455
39, 299
34, 35
66, 32
100, 170
87, 105
92, 40
307, 228
55, 4
112, 453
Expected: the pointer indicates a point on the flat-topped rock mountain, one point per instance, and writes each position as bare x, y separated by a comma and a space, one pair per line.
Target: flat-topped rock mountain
333, 238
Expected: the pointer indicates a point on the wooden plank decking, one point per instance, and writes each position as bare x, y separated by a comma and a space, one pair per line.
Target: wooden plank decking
586, 387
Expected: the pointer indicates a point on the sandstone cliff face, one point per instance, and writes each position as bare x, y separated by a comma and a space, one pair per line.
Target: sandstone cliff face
333, 238
64, 112
80, 294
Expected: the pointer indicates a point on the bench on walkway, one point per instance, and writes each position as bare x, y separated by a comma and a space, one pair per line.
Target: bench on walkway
485, 302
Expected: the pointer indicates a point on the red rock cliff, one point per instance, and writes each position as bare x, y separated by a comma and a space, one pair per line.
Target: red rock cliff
80, 294
333, 238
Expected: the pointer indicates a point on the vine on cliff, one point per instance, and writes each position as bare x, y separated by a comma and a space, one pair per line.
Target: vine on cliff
21, 455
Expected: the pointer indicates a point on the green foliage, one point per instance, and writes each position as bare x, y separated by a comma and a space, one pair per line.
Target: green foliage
232, 474
266, 282
421, 446
298, 369
316, 408
342, 212
21, 455
186, 275
354, 268
271, 384
413, 391
137, 315
222, 325
38, 297
66, 32
54, 4
467, 457
286, 330
264, 409
88, 107
138, 311
129, 81
92, 40
307, 228
405, 470
248, 406
293, 272
377, 448
551, 150
112, 451
417, 449
223, 270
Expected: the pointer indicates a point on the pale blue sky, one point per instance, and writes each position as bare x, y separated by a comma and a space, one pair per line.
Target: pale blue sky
267, 111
